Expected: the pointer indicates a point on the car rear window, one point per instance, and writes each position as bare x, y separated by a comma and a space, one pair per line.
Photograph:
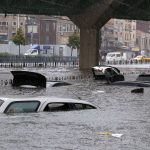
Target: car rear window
22, 106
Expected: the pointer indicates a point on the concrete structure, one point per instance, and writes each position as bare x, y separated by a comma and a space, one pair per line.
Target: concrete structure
89, 16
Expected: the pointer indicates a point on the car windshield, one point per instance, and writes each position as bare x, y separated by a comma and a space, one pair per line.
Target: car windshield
139, 56
22, 106
29, 50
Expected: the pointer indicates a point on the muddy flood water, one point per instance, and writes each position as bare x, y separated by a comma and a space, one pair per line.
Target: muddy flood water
119, 112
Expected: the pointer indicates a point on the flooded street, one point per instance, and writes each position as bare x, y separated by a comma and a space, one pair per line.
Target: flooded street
120, 111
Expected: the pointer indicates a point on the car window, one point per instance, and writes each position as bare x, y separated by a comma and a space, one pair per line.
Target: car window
1, 102
118, 55
79, 106
51, 107
57, 107
34, 51
22, 106
112, 55
110, 71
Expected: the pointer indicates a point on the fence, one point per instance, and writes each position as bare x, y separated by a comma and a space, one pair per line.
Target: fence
37, 61
67, 78
127, 62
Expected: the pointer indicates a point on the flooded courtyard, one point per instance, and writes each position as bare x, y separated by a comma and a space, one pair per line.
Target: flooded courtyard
120, 111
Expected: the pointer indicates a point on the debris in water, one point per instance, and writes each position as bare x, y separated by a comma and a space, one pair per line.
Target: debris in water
138, 90
109, 134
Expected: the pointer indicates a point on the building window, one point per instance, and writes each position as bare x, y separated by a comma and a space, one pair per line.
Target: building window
58, 28
60, 51
47, 40
14, 23
47, 27
32, 29
54, 25
13, 34
64, 28
3, 23
68, 27
133, 36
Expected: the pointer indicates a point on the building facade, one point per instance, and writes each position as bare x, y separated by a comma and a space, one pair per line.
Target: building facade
118, 33
9, 26
65, 28
37, 29
49, 30
143, 37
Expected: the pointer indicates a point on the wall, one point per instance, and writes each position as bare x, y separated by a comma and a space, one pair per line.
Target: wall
13, 49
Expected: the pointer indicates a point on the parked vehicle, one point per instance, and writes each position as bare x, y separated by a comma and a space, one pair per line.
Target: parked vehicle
118, 56
37, 50
51, 50
141, 58
41, 104
107, 73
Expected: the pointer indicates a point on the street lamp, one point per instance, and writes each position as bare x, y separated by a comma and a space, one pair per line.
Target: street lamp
32, 35
32, 32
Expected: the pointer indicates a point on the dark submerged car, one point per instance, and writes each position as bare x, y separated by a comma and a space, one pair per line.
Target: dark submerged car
27, 79
143, 80
107, 73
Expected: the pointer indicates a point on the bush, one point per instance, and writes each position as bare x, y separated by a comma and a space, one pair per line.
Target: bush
5, 54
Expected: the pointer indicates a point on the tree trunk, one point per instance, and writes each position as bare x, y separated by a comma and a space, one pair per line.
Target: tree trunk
71, 53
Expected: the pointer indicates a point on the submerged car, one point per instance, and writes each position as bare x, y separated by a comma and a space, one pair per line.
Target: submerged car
33, 79
41, 104
107, 73
143, 80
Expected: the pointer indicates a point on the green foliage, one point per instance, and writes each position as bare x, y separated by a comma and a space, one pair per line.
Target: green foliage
19, 39
5, 54
74, 41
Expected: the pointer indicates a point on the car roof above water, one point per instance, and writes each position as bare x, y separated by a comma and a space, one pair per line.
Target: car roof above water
44, 99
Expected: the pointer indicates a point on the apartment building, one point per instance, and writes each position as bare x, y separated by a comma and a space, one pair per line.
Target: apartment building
143, 36
118, 33
65, 28
9, 26
49, 29
38, 29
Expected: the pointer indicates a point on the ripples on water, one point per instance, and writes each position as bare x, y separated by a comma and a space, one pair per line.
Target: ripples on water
119, 111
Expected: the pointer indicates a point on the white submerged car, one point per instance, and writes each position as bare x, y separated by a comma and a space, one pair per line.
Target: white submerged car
41, 104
